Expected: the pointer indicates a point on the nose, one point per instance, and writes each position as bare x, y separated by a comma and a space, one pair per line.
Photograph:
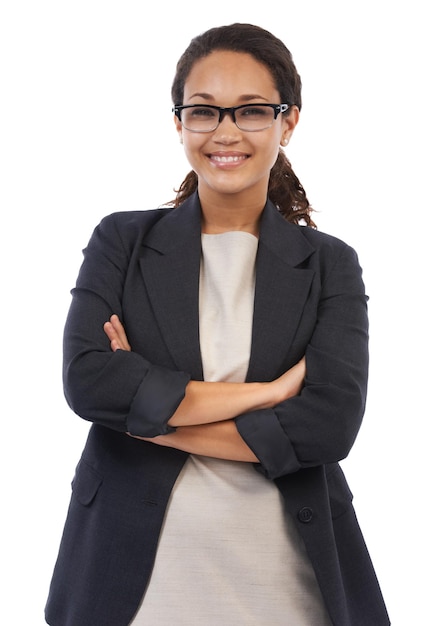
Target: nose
227, 131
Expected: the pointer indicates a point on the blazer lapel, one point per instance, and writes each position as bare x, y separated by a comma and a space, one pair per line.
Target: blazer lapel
282, 289
170, 266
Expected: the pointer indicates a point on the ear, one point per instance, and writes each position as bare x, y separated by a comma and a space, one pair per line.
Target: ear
289, 122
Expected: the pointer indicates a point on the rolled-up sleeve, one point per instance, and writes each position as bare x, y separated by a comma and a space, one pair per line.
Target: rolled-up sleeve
320, 425
264, 435
157, 398
122, 390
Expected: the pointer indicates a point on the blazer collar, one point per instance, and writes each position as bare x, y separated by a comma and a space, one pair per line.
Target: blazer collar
182, 228
178, 229
170, 265
286, 241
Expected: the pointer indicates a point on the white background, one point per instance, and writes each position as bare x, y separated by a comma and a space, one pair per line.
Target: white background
86, 129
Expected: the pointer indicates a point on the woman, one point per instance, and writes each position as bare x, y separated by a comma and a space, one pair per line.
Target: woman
227, 382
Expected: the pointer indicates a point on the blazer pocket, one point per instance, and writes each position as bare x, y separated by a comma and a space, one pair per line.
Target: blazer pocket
86, 483
340, 496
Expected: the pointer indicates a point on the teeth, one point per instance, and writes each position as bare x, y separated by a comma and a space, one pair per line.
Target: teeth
227, 159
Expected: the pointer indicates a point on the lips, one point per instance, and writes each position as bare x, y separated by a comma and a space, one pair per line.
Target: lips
225, 159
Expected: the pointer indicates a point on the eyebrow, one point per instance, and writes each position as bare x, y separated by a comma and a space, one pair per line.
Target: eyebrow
243, 98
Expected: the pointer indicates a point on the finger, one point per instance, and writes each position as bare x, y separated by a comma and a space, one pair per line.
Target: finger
116, 323
119, 333
112, 336
109, 330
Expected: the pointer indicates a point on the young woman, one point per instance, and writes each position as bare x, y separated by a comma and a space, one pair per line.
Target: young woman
220, 349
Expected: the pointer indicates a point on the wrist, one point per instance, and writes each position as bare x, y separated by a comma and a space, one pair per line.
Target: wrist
268, 393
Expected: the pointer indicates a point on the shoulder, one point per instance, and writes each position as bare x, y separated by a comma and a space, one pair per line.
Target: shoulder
162, 225
298, 243
333, 260
127, 221
328, 248
125, 228
322, 241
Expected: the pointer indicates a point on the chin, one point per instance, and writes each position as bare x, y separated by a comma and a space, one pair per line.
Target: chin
228, 186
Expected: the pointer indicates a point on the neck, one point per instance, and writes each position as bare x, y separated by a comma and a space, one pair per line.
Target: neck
225, 214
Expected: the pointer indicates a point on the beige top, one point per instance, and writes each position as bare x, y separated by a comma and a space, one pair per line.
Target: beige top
228, 553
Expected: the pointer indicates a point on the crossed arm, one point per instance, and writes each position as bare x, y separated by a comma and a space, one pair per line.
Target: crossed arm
204, 420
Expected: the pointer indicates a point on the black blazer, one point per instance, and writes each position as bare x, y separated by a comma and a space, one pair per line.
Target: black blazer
310, 300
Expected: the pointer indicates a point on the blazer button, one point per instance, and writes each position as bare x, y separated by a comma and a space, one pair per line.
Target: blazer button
305, 515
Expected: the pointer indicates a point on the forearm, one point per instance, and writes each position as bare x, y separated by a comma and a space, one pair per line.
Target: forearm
219, 440
205, 403
214, 402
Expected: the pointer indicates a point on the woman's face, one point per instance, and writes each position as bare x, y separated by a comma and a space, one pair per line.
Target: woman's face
229, 160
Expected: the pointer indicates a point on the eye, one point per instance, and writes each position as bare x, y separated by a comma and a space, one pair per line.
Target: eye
255, 112
201, 112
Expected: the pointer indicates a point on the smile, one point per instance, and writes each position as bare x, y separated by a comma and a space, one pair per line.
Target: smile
227, 159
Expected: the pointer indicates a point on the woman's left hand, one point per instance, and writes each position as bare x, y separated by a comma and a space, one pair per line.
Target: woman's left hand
116, 334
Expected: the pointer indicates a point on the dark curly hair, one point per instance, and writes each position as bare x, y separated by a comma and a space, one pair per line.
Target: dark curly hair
285, 189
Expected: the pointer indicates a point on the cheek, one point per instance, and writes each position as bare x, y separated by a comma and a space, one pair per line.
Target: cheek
192, 145
189, 152
271, 151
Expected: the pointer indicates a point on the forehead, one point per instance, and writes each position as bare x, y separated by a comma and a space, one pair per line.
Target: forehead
226, 74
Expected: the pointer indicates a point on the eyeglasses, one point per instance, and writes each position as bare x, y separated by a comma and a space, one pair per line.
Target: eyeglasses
205, 118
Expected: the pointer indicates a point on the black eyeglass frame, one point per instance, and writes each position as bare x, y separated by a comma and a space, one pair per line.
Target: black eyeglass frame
277, 108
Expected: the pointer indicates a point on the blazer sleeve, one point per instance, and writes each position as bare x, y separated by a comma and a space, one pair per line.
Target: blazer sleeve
121, 390
320, 425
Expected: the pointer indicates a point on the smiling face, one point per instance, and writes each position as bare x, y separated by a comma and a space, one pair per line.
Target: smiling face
231, 162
